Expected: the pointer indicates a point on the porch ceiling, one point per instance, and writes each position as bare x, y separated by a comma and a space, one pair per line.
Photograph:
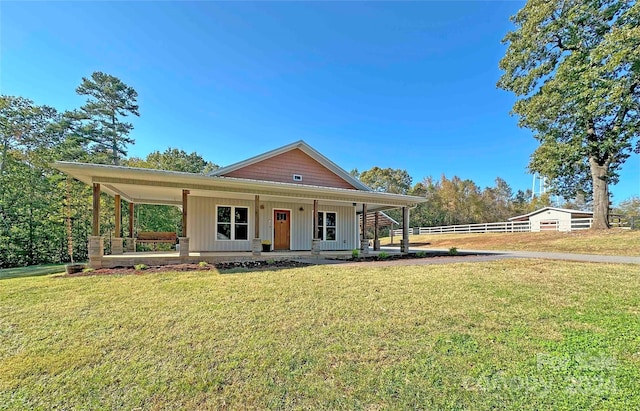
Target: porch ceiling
145, 186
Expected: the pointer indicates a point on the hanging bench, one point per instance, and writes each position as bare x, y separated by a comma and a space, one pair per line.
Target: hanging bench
156, 237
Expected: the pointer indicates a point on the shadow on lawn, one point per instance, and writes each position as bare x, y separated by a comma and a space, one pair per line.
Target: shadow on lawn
31, 271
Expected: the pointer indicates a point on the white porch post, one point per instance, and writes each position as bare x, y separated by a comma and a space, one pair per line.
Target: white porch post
256, 243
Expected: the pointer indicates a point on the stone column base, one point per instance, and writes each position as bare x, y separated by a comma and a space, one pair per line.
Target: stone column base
116, 246
404, 246
315, 247
184, 246
96, 251
130, 244
364, 246
256, 246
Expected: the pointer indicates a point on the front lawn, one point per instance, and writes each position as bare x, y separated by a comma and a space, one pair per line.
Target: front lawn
512, 334
30, 271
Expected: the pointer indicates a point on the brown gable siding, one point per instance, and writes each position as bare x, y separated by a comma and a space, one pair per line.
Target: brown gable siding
282, 167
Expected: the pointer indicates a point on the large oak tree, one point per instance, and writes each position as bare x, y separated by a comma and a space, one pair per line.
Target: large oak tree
575, 67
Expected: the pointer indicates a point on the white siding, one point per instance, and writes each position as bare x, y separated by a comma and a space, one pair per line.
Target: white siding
300, 227
201, 225
563, 219
345, 228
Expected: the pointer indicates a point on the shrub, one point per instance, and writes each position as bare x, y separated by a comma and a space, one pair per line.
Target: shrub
87, 270
355, 253
421, 254
140, 266
383, 255
453, 251
203, 264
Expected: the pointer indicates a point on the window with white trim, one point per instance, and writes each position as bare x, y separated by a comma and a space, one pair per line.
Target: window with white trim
326, 225
232, 223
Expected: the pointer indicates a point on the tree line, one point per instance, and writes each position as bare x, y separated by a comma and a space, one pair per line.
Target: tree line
45, 216
454, 200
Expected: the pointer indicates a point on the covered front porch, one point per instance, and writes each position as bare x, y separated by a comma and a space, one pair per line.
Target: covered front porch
231, 219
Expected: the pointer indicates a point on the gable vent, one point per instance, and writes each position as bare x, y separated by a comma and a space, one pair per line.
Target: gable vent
297, 177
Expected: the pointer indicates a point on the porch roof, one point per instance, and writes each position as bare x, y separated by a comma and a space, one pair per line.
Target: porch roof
149, 186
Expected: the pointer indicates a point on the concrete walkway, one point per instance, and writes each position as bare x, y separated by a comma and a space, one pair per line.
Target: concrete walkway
468, 256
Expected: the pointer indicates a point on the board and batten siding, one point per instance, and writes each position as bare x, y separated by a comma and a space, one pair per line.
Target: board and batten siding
201, 225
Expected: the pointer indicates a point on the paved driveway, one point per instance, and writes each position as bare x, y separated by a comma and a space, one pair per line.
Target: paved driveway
480, 256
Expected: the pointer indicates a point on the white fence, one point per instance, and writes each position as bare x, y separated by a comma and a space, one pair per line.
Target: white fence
501, 227
581, 223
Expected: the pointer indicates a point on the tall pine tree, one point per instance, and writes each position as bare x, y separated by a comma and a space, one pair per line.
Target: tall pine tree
102, 117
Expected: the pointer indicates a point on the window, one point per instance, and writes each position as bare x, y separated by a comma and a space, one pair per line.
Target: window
232, 223
326, 225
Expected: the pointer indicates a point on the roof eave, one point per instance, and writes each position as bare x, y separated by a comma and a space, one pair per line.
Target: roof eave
90, 173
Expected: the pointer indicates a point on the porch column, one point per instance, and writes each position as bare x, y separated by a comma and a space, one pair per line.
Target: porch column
376, 239
364, 243
256, 243
184, 240
116, 241
316, 242
404, 245
131, 242
391, 232
96, 244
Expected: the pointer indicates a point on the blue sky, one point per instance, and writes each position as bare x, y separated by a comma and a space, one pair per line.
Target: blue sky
406, 85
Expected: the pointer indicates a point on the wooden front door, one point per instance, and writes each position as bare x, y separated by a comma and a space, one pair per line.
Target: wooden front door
281, 229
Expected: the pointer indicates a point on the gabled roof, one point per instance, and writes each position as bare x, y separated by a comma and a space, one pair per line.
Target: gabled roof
564, 210
304, 147
149, 186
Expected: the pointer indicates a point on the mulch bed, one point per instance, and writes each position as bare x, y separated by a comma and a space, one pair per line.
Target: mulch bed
411, 256
251, 265
242, 265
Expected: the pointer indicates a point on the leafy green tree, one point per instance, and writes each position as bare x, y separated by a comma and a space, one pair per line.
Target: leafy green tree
174, 159
159, 217
387, 180
575, 67
28, 232
629, 212
630, 206
109, 102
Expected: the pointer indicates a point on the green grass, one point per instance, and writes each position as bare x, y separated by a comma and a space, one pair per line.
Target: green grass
512, 334
608, 242
31, 271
